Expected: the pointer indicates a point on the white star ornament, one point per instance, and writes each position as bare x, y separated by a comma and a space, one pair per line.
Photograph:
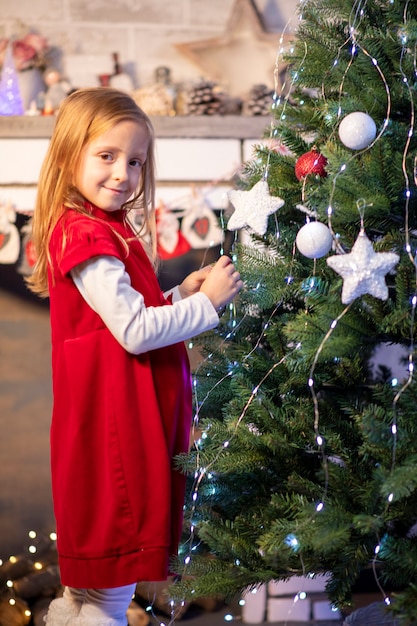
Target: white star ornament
363, 270
253, 207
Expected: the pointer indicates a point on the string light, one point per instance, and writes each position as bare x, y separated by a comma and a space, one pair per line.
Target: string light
40, 545
356, 48
292, 541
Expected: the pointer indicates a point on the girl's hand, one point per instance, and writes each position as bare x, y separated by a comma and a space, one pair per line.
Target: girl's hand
192, 283
222, 283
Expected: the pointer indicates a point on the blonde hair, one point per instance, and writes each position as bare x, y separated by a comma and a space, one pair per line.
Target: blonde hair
83, 116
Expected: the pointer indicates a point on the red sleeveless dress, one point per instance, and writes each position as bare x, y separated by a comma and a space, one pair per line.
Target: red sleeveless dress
118, 421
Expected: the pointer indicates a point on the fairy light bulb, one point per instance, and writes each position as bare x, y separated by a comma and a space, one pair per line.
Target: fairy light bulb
292, 542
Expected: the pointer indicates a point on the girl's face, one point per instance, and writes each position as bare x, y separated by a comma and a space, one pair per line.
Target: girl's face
110, 166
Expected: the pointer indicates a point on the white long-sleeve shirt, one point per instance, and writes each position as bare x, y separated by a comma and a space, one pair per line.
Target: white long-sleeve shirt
106, 287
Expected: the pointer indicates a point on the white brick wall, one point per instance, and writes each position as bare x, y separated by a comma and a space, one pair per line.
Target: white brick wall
85, 34
141, 31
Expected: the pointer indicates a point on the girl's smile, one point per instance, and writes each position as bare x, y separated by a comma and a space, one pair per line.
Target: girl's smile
110, 166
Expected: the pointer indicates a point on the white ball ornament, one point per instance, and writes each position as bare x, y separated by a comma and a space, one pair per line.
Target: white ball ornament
314, 240
357, 130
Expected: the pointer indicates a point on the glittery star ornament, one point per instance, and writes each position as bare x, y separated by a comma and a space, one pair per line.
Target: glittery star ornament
363, 270
253, 207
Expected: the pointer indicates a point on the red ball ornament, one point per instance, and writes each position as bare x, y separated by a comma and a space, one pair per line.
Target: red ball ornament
311, 162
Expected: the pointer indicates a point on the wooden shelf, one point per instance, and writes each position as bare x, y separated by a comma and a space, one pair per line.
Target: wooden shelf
182, 126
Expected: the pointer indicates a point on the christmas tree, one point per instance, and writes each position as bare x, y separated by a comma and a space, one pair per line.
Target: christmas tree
305, 458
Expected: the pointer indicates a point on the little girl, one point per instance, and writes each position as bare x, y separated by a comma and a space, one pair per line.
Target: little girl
121, 383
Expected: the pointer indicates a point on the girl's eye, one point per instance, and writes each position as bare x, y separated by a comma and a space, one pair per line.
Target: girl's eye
106, 156
136, 163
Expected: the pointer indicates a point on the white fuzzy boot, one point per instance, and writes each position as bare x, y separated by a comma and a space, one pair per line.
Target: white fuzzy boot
61, 612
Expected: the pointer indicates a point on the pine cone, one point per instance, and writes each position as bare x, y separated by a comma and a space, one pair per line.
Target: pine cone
204, 98
259, 100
